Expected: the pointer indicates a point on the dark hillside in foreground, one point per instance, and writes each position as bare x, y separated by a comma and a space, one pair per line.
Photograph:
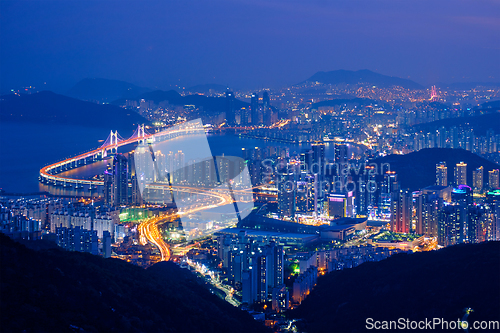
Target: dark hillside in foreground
418, 169
59, 291
438, 284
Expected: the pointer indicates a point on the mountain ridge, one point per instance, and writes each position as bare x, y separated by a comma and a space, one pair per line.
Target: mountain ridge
104, 90
211, 104
342, 76
49, 107
480, 123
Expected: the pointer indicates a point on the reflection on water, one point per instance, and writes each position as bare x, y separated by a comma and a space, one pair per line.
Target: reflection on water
219, 145
71, 191
87, 171
82, 172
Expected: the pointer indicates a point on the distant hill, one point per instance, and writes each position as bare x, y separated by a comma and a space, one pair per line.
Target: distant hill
59, 291
418, 169
210, 104
157, 96
489, 106
48, 107
104, 90
417, 286
480, 123
334, 102
205, 88
468, 85
362, 77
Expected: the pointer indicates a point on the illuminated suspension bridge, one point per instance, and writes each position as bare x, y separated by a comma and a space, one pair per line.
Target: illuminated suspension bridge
50, 174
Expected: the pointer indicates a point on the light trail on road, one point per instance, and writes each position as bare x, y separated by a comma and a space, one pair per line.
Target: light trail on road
149, 231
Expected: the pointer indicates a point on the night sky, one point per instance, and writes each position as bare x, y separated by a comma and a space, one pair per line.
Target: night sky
246, 44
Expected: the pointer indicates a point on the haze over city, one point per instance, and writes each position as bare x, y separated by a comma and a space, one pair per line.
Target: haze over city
246, 44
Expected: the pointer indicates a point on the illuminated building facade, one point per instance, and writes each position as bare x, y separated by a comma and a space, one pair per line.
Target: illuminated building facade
461, 174
441, 174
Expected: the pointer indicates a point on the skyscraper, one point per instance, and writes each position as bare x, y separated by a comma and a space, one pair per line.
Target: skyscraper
461, 174
286, 194
266, 104
390, 182
494, 179
337, 205
401, 211
318, 159
477, 179
451, 225
254, 108
441, 174
306, 160
266, 101
230, 108
428, 203
135, 193
108, 187
120, 180
341, 154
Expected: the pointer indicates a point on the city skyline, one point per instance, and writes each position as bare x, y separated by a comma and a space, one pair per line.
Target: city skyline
249, 166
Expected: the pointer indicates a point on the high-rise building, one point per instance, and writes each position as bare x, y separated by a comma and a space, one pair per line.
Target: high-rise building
266, 104
179, 173
266, 101
441, 135
494, 179
461, 174
318, 159
135, 196
454, 137
77, 239
280, 299
160, 162
108, 187
426, 210
367, 193
462, 195
477, 179
120, 180
106, 244
306, 160
254, 108
455, 222
230, 108
306, 200
258, 267
389, 185
341, 155
401, 211
275, 265
286, 194
337, 205
441, 174
428, 202
452, 225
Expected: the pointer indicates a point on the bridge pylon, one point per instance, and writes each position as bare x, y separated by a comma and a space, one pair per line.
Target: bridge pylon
141, 133
114, 142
